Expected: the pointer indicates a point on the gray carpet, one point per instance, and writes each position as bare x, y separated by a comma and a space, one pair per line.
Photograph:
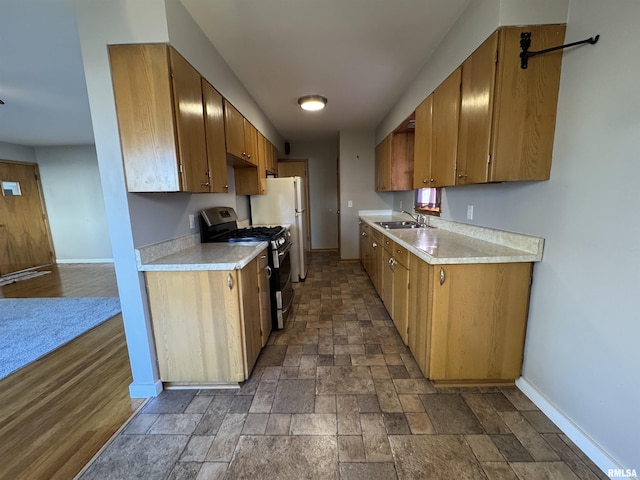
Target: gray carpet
32, 327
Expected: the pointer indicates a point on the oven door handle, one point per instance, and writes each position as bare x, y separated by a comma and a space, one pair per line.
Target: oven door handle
286, 249
269, 271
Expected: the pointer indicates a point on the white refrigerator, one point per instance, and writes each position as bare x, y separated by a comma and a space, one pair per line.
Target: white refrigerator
284, 203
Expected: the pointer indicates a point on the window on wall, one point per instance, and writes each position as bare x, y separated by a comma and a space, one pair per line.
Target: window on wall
428, 201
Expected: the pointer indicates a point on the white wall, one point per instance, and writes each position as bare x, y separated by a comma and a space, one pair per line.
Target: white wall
580, 360
323, 189
140, 219
75, 206
187, 37
99, 24
357, 181
17, 153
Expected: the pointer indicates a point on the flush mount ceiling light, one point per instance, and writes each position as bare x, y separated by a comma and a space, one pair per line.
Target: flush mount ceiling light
312, 102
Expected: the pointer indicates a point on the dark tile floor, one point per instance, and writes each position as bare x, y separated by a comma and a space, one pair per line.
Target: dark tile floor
337, 395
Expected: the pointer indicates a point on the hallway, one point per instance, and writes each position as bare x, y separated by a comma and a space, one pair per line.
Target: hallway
337, 395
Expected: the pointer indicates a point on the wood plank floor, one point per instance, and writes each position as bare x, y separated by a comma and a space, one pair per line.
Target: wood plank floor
57, 412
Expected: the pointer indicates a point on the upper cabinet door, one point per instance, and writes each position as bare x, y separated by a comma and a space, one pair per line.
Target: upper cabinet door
525, 105
476, 111
446, 113
234, 131
423, 142
250, 143
214, 130
189, 112
142, 90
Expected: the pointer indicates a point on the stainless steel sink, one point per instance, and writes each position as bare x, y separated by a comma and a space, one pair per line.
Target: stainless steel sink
399, 224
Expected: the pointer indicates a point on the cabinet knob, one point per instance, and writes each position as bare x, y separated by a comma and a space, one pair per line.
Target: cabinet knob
441, 275
432, 180
205, 184
462, 175
244, 154
248, 155
374, 245
226, 187
229, 281
424, 181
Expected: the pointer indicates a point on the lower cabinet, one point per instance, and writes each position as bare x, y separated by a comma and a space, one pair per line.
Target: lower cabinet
208, 325
371, 254
467, 322
395, 285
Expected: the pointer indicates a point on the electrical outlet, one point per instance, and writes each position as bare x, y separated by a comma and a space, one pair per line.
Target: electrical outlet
349, 204
400, 204
469, 212
192, 222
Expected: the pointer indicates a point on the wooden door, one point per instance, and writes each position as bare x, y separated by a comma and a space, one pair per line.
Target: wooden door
250, 142
525, 105
479, 321
190, 127
419, 316
214, 132
196, 325
266, 323
25, 241
263, 161
446, 112
386, 283
234, 131
383, 164
142, 90
476, 112
250, 314
423, 142
299, 168
401, 161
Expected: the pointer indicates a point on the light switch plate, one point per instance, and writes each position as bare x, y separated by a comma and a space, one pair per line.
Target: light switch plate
469, 212
349, 204
192, 221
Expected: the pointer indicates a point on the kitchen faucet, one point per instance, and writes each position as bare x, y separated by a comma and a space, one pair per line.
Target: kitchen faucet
420, 219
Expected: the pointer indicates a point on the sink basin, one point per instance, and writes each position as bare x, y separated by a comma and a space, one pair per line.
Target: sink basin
398, 224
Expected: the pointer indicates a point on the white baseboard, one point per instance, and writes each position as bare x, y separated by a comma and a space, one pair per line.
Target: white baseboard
594, 451
84, 260
145, 390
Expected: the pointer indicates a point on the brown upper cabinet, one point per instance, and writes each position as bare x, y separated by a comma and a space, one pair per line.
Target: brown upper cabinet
160, 112
241, 136
507, 116
446, 112
525, 105
394, 159
490, 120
214, 129
423, 144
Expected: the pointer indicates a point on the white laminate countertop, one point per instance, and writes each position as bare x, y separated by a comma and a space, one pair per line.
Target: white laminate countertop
205, 256
453, 243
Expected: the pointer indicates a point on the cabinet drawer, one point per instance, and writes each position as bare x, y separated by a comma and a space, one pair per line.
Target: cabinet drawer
401, 254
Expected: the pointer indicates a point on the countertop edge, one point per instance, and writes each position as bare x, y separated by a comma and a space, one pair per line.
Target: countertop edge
253, 249
525, 257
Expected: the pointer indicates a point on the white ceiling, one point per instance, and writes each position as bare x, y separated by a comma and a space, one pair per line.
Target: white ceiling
360, 54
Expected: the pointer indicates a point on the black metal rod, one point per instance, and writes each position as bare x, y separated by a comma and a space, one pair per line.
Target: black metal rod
525, 43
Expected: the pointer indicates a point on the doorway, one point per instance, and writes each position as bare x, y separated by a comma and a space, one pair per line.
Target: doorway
299, 168
25, 239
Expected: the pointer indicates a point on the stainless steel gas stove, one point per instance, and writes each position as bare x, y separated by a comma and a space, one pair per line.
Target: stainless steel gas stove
220, 224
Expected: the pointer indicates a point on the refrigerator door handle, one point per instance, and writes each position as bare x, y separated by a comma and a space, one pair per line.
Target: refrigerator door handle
299, 212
